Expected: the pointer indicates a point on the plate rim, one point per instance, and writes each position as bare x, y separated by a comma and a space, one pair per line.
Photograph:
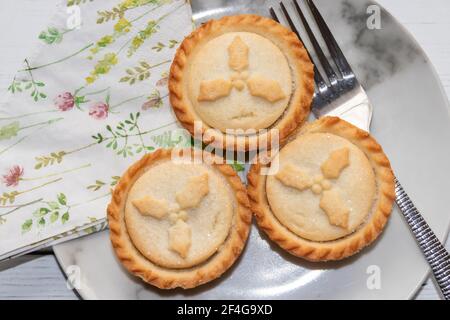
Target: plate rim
427, 273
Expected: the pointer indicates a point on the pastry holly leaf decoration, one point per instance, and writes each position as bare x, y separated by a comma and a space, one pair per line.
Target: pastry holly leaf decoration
330, 202
188, 198
258, 86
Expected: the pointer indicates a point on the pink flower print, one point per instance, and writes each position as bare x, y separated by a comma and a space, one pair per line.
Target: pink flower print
163, 81
99, 110
13, 177
64, 101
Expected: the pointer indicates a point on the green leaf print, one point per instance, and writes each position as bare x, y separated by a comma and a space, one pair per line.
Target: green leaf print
151, 28
107, 15
172, 43
119, 140
26, 226
9, 197
41, 212
96, 186
51, 35
126, 138
125, 5
77, 2
90, 230
101, 44
237, 166
140, 72
146, 33
41, 125
120, 10
15, 86
99, 184
114, 181
123, 25
9, 131
41, 222
65, 217
102, 67
160, 46
93, 228
62, 199
172, 139
54, 216
53, 205
49, 213
31, 85
44, 161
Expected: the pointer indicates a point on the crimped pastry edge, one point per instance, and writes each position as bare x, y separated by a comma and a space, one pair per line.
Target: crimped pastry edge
300, 63
165, 278
351, 244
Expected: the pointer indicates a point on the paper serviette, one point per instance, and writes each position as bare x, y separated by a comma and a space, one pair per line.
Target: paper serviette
91, 101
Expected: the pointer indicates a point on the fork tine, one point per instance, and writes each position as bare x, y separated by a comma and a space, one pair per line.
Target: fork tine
274, 15
317, 76
323, 59
335, 51
290, 22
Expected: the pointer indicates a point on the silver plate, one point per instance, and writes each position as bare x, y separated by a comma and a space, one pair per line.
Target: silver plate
410, 121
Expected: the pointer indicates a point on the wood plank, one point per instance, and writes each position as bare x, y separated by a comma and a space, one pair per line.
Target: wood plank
33, 277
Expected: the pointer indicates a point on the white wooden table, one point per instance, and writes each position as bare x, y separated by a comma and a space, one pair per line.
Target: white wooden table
38, 276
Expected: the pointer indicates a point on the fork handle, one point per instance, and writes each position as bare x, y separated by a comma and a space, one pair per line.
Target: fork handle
437, 256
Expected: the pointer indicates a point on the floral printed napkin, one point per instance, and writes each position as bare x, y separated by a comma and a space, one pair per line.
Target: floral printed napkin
91, 101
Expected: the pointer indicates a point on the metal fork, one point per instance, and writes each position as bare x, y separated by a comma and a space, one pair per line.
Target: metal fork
344, 96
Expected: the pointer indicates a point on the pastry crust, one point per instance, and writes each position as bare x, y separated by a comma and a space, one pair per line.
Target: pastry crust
166, 278
345, 246
302, 71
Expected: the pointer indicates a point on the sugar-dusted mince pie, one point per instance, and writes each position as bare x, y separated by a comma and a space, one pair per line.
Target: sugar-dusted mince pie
178, 224
241, 72
331, 195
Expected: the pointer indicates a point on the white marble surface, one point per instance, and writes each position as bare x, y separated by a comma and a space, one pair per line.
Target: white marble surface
39, 276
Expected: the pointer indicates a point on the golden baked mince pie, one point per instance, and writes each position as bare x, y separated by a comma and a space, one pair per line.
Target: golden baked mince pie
178, 224
328, 192
239, 75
